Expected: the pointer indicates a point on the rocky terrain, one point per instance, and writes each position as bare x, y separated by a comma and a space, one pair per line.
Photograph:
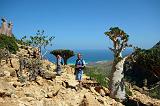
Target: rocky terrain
52, 90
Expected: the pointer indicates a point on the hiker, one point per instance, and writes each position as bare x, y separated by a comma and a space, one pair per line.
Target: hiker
59, 65
79, 66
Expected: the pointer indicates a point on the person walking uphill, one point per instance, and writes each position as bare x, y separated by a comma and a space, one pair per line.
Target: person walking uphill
59, 65
79, 66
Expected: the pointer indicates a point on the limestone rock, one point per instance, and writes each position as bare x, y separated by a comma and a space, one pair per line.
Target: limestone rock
89, 100
2, 74
94, 91
47, 65
7, 71
15, 63
49, 75
68, 69
102, 93
6, 89
106, 90
27, 99
39, 80
143, 99
8, 103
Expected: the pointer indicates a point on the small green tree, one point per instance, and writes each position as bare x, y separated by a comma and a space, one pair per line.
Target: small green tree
39, 40
65, 54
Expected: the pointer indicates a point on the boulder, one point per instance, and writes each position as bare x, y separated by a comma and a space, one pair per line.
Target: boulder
6, 89
102, 92
68, 69
89, 100
54, 89
15, 63
47, 65
2, 74
17, 84
143, 99
7, 71
106, 90
49, 75
8, 103
92, 89
39, 81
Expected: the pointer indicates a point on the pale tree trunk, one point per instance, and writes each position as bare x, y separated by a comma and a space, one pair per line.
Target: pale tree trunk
117, 87
4, 28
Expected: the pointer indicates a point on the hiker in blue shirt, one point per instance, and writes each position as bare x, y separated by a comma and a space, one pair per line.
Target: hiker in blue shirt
79, 66
59, 65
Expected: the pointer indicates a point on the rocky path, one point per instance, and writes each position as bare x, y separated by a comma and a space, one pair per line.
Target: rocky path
60, 91
52, 90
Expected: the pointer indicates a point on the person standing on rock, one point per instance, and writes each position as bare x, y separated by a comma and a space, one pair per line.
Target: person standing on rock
59, 65
79, 66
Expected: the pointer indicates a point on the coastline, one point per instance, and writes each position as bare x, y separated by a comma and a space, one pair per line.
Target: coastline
91, 62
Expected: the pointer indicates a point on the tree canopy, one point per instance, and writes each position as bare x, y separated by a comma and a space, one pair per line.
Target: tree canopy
119, 39
65, 54
39, 40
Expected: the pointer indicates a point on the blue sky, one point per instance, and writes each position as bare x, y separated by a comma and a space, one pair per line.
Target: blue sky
80, 24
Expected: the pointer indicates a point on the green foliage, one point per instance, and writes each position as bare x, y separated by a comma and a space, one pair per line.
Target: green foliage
155, 93
8, 43
145, 70
146, 66
39, 40
149, 59
98, 73
65, 54
24, 41
116, 32
128, 92
120, 42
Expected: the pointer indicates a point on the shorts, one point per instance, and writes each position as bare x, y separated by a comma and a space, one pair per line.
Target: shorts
79, 74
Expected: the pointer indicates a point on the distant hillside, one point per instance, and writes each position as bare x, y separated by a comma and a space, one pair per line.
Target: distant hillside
145, 71
157, 45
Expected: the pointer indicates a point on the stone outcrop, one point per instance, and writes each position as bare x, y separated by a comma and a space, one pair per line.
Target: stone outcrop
140, 99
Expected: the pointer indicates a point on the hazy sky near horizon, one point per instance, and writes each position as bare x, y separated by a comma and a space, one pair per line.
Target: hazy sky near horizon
80, 24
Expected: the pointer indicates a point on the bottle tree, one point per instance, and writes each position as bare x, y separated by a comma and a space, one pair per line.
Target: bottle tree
120, 42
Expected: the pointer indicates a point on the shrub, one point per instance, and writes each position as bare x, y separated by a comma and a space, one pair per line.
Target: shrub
98, 73
34, 67
155, 93
145, 67
8, 43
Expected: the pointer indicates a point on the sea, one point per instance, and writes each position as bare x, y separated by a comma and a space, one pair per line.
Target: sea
90, 56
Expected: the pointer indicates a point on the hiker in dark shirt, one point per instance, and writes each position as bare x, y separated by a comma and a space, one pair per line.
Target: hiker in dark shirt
79, 66
59, 65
